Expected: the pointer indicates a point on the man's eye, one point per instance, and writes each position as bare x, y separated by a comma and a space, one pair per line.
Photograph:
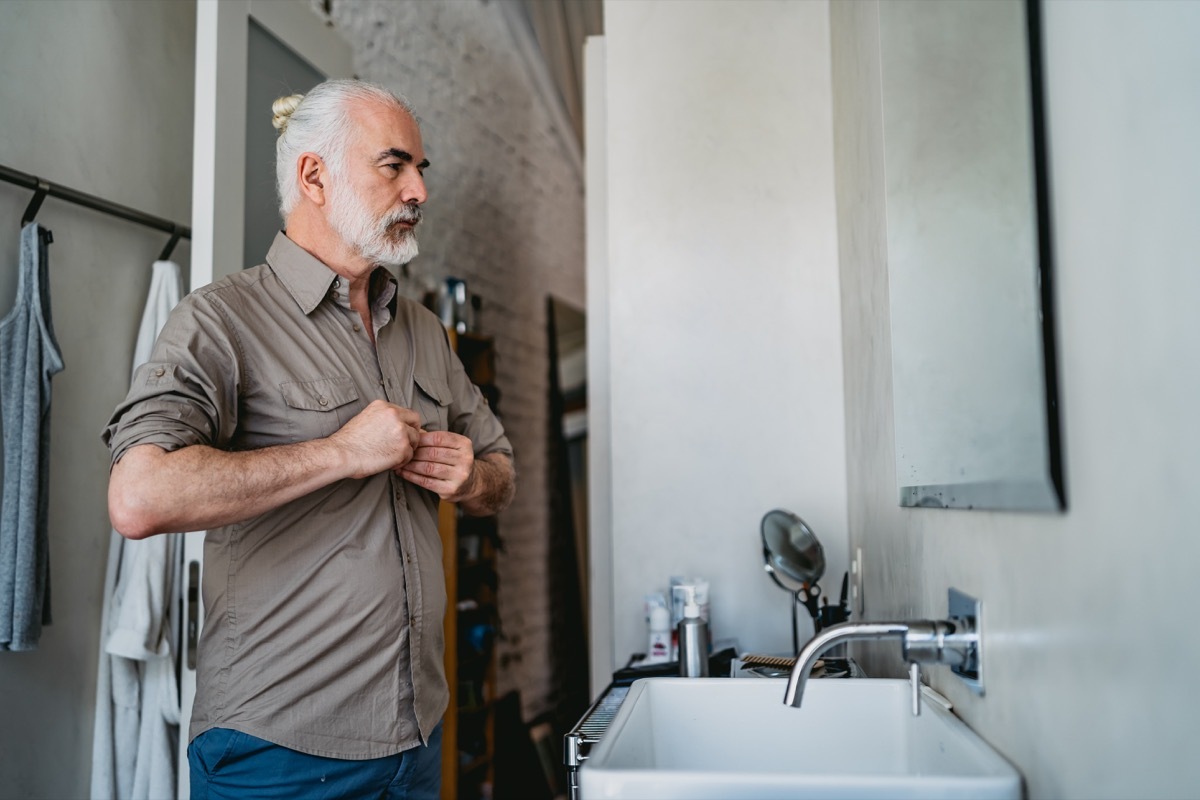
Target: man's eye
395, 167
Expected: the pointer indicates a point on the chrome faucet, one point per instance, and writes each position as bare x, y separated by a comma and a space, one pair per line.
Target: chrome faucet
954, 641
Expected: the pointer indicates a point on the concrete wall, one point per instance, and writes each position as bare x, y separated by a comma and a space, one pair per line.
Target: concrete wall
1090, 659
723, 316
97, 95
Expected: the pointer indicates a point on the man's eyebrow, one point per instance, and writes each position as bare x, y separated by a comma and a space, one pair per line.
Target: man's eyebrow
403, 155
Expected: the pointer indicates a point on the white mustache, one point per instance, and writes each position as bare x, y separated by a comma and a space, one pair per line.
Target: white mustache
407, 214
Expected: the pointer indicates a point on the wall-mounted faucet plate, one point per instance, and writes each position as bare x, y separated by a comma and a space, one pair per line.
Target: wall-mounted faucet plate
963, 606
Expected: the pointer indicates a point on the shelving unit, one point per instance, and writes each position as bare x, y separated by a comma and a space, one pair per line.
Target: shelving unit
469, 546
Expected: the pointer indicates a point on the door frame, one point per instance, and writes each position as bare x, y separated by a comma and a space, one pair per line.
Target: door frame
218, 207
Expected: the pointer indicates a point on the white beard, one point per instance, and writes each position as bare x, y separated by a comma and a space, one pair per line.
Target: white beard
372, 237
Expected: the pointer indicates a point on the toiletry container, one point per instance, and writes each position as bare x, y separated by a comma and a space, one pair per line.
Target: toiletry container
658, 650
693, 641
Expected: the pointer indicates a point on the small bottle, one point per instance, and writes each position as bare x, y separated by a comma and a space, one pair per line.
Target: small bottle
659, 649
693, 640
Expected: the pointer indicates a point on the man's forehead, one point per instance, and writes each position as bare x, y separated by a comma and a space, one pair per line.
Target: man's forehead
384, 127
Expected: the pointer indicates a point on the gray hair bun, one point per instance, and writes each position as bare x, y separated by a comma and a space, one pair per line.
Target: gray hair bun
282, 109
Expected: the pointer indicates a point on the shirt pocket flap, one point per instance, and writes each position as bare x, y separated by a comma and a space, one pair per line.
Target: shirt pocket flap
325, 394
436, 388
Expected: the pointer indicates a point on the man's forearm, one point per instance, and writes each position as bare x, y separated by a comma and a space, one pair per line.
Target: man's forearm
199, 487
493, 484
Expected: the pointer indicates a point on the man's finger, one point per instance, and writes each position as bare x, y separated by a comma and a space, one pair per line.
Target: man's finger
437, 455
445, 439
408, 416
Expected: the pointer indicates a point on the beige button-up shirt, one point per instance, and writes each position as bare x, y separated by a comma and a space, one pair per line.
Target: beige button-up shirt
323, 617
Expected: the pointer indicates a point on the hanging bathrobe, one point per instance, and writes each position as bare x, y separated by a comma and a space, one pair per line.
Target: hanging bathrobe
137, 698
29, 358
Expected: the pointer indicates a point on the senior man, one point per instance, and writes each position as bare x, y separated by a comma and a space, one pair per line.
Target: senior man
309, 418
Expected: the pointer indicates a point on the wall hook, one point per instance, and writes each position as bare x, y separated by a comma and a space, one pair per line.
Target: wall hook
35, 203
174, 240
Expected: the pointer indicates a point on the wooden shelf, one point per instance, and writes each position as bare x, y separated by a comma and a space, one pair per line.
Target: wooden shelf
474, 579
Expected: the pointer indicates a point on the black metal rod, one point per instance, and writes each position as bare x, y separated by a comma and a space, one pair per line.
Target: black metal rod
27, 181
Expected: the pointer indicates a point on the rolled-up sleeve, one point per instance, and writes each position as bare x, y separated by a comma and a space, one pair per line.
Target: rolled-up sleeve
186, 394
470, 414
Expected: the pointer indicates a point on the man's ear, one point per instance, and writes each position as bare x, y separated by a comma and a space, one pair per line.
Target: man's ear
311, 172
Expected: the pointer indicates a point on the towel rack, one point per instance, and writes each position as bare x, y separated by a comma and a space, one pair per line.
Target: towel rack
43, 189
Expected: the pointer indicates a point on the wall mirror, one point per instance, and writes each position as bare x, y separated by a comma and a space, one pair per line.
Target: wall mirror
968, 256
566, 334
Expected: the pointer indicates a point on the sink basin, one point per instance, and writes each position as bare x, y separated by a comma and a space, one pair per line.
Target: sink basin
733, 738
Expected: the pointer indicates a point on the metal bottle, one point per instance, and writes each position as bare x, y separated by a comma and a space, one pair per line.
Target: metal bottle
693, 641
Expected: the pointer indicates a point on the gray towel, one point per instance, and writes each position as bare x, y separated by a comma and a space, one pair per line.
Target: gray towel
29, 358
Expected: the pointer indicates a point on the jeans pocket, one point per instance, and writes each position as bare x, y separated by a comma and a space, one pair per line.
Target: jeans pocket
213, 748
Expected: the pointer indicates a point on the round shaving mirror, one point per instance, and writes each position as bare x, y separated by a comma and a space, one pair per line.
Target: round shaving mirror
795, 560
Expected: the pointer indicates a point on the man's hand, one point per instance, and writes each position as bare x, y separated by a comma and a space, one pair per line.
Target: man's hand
380, 437
445, 463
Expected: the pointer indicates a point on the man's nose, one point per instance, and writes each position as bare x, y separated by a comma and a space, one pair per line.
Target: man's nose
414, 190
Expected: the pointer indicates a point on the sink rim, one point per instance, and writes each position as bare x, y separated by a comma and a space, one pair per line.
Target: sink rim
996, 778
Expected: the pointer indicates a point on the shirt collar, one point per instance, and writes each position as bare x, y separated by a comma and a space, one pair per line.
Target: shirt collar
309, 281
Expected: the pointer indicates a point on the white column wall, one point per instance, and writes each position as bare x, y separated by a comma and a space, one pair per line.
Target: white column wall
723, 311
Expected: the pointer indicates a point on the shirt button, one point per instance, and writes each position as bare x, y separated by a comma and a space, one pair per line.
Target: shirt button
357, 328
322, 401
158, 373
336, 283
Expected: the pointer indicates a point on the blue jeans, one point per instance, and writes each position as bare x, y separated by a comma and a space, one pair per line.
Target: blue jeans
229, 765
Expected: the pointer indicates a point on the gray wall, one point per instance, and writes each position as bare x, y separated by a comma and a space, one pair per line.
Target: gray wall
97, 95
1091, 660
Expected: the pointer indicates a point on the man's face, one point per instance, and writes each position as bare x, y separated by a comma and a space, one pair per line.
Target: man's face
375, 205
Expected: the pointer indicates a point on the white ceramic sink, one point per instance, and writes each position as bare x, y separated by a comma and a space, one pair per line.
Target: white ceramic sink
733, 738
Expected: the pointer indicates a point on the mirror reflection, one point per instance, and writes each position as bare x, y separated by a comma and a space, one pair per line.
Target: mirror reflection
972, 348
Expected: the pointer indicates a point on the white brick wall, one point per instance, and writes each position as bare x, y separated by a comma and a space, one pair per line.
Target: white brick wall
505, 213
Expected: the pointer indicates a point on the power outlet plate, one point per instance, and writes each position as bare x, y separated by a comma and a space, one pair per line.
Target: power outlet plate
964, 606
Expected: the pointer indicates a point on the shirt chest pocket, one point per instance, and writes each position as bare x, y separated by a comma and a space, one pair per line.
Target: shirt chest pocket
316, 409
432, 401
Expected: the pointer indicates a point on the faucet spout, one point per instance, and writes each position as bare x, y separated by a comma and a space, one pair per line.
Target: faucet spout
832, 637
953, 641
956, 641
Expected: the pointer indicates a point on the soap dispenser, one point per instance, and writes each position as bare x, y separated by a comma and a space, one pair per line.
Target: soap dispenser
693, 640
